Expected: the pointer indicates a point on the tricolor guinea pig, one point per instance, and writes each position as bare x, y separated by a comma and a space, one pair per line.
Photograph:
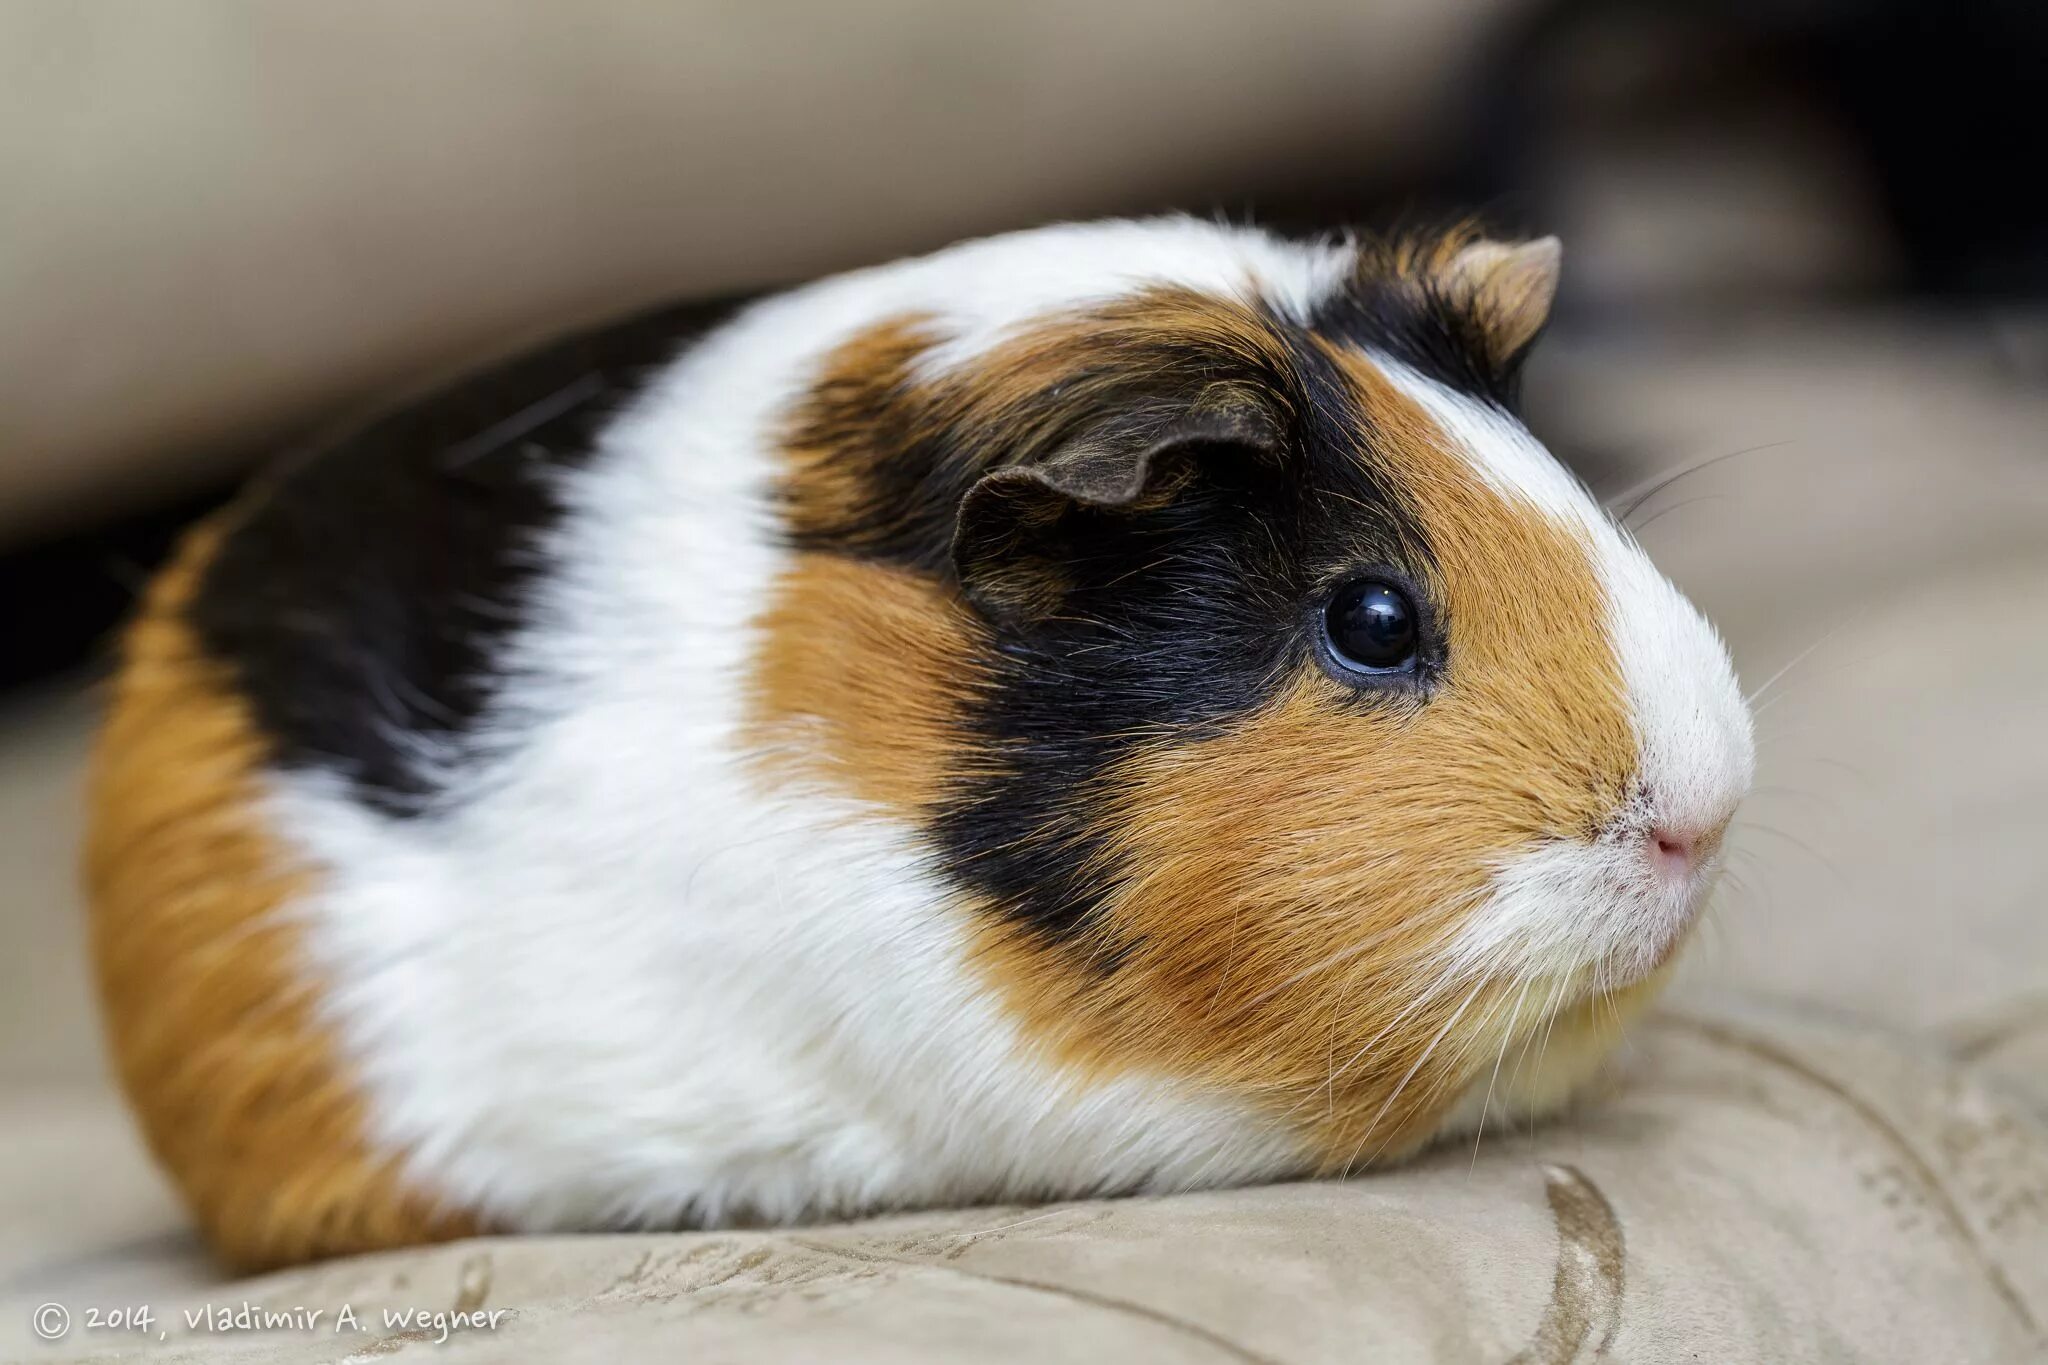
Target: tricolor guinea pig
1109, 708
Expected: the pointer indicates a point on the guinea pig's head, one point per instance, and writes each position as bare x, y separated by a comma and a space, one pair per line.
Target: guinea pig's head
1283, 715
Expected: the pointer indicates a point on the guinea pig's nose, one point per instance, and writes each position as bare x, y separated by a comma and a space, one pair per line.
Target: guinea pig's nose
1672, 851
1678, 849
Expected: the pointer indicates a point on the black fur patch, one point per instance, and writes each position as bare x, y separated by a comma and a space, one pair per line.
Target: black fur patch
1180, 620
1412, 322
360, 597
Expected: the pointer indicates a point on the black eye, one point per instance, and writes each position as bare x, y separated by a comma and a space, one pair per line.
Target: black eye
1372, 627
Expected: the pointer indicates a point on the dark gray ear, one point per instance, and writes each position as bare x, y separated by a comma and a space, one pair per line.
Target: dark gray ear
1007, 547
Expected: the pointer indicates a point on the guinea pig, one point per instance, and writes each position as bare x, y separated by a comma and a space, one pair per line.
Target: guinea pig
1110, 708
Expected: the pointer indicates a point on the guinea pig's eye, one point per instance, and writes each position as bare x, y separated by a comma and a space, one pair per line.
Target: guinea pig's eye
1373, 627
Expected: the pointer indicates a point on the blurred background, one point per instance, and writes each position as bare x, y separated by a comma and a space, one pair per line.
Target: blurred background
1801, 247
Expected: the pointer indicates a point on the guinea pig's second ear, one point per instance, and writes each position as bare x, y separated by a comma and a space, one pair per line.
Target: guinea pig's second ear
1508, 287
1018, 524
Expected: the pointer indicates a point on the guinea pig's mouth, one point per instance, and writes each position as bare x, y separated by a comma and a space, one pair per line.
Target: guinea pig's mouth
1653, 948
1607, 912
1671, 899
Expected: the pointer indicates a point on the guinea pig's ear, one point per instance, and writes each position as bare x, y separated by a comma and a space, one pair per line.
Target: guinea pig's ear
1008, 548
1508, 288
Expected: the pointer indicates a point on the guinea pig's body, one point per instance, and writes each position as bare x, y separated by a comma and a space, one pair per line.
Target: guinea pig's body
934, 736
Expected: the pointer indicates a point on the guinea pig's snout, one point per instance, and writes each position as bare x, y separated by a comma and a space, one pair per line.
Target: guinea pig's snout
1678, 849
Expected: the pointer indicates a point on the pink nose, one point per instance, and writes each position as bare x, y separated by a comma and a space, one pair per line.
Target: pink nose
1672, 851
1678, 850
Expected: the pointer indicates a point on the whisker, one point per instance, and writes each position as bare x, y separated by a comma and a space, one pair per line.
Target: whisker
1446, 1075
1808, 679
1779, 789
1829, 761
1388, 1103
1422, 998
1506, 1037
1229, 957
1550, 1011
1801, 845
1640, 494
1349, 952
1548, 1025
1803, 654
1651, 520
1335, 959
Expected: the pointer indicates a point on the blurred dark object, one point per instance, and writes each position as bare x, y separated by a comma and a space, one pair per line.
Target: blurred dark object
1685, 126
60, 597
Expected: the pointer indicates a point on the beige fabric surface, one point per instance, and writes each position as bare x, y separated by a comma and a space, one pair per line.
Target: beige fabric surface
1774, 1189
1832, 1145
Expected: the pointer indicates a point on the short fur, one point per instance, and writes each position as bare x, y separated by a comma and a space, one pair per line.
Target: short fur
885, 755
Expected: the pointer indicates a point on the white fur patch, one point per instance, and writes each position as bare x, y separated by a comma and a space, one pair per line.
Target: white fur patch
994, 285
610, 981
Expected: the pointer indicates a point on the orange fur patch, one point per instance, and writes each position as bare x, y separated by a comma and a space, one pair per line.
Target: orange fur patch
853, 406
210, 1013
859, 680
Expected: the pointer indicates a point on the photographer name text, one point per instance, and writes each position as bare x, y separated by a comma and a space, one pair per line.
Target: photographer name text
52, 1321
